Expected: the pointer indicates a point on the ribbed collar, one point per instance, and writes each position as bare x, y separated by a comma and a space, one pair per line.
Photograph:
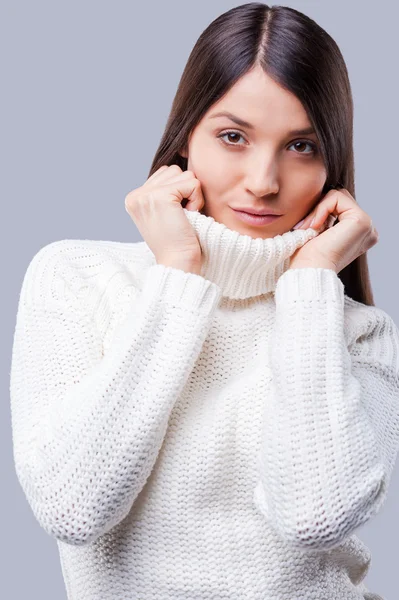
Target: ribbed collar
241, 265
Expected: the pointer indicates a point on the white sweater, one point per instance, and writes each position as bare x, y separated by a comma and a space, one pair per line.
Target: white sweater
202, 437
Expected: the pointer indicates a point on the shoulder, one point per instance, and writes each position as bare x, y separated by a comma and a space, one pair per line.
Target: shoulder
371, 332
80, 269
361, 318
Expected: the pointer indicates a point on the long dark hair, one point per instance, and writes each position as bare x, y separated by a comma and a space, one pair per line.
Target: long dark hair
300, 56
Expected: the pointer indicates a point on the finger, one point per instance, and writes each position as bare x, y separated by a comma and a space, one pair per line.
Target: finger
164, 173
156, 173
334, 203
190, 189
331, 220
322, 212
178, 177
376, 234
174, 176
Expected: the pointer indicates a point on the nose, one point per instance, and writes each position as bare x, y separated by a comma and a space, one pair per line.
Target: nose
263, 180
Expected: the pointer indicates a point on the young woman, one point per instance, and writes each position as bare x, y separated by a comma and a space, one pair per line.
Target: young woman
213, 412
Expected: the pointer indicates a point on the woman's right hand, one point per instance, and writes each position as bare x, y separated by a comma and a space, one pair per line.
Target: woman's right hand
156, 209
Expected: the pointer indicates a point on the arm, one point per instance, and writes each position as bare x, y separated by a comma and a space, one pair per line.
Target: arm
331, 430
87, 427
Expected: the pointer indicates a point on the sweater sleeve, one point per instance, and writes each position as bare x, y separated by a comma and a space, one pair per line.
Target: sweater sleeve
87, 426
331, 427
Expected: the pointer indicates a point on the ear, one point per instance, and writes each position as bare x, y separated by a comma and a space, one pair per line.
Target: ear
183, 152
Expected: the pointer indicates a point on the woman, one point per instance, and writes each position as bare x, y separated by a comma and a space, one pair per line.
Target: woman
213, 412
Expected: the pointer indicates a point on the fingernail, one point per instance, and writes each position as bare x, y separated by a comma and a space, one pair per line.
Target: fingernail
299, 224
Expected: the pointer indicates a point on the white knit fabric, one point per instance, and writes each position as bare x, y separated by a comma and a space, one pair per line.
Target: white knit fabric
202, 437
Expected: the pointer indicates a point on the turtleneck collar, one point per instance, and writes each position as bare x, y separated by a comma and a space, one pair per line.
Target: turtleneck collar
241, 265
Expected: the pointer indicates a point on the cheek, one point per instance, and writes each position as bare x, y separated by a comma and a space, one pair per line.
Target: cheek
212, 167
302, 192
305, 184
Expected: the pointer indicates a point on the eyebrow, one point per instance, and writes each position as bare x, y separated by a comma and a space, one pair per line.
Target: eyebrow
243, 123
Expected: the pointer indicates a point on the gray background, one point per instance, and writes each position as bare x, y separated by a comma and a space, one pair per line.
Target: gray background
86, 90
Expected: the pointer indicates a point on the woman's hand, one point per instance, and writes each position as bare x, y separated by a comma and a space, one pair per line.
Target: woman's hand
155, 208
335, 247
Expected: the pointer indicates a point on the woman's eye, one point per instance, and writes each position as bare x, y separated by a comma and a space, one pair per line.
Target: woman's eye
230, 133
237, 136
305, 143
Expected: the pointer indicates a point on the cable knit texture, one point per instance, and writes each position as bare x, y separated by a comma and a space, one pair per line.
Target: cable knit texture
210, 436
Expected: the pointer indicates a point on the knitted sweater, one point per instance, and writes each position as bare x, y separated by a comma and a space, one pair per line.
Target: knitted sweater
202, 437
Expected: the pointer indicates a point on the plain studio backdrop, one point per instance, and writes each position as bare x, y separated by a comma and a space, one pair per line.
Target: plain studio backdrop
86, 90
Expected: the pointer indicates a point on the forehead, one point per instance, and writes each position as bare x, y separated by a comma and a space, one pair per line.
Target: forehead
259, 100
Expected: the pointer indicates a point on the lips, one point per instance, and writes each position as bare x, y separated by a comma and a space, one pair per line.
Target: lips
258, 214
253, 219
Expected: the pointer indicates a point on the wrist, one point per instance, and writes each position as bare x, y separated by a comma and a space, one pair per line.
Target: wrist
188, 265
312, 264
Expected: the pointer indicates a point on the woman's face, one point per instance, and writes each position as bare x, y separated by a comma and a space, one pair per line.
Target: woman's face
261, 165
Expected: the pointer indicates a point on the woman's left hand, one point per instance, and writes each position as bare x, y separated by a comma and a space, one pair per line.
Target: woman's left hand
335, 247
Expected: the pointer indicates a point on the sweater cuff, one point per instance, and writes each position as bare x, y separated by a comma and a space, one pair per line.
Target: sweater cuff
176, 286
309, 283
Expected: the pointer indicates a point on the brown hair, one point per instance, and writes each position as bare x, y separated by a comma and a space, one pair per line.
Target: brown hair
301, 57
